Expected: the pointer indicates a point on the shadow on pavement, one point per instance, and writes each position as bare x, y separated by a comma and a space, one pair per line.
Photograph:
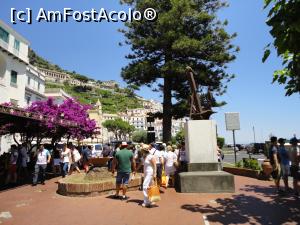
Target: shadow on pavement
265, 208
137, 201
22, 182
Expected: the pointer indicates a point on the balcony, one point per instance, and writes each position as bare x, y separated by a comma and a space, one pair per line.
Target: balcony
4, 46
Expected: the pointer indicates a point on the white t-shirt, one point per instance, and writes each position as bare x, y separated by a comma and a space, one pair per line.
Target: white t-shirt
148, 168
170, 158
76, 155
66, 156
42, 157
157, 154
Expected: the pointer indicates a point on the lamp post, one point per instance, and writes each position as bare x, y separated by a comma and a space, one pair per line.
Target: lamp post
254, 134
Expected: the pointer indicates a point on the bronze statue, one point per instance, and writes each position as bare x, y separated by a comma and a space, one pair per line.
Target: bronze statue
200, 107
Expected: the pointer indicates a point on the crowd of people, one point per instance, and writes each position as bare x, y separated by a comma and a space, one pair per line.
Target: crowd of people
63, 159
285, 163
152, 160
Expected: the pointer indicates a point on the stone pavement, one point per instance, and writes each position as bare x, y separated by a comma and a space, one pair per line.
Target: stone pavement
255, 202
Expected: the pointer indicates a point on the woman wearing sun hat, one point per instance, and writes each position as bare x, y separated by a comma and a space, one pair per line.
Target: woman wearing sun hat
149, 172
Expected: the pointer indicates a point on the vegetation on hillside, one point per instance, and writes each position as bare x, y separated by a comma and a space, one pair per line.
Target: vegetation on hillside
112, 102
117, 100
38, 61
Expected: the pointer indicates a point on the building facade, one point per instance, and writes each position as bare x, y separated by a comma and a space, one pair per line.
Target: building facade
35, 85
13, 64
136, 117
57, 94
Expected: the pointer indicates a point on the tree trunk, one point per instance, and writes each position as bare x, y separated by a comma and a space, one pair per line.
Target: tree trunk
167, 110
14, 137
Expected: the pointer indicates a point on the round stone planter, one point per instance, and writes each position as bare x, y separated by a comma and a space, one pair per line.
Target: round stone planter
75, 185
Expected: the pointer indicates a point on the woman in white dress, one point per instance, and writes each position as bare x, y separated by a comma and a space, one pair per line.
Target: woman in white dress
149, 173
170, 160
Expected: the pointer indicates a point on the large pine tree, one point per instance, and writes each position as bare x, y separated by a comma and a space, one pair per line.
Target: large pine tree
185, 33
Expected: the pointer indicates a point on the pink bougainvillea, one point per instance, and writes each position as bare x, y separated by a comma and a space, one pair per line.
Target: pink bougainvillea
70, 114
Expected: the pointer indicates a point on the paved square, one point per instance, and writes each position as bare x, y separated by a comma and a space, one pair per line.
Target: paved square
255, 202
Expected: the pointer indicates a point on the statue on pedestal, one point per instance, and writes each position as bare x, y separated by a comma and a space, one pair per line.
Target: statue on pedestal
200, 107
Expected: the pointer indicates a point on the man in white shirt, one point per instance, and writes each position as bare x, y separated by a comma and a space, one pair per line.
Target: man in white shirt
66, 155
43, 158
159, 162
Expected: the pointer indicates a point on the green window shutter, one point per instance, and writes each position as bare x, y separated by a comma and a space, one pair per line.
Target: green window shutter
4, 35
13, 77
17, 45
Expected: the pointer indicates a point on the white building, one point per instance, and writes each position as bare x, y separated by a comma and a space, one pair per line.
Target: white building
57, 94
55, 76
13, 64
35, 85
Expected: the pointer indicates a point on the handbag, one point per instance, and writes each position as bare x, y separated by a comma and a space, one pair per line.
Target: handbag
176, 164
154, 193
163, 179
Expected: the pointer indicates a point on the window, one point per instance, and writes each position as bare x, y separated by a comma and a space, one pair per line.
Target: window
17, 45
28, 80
13, 77
27, 99
4, 35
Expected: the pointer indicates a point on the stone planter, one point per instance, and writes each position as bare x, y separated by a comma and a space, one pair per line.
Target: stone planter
101, 161
242, 172
78, 188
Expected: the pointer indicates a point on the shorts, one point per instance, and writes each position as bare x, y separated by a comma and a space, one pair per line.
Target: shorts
75, 164
122, 178
295, 172
285, 170
56, 162
158, 171
276, 174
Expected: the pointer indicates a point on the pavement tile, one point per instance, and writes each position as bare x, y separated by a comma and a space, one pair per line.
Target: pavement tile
254, 202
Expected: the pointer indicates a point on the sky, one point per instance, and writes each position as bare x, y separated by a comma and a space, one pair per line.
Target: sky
92, 49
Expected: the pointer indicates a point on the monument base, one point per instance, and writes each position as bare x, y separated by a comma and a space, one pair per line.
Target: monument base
202, 167
203, 175
206, 182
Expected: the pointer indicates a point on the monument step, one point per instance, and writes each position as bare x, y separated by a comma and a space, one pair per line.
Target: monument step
206, 182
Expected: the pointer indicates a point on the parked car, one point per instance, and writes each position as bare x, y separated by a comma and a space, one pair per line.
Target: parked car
255, 148
97, 149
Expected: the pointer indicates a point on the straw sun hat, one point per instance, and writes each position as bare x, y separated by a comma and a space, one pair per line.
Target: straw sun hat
145, 147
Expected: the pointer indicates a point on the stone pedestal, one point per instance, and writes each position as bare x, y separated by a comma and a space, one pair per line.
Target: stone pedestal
202, 174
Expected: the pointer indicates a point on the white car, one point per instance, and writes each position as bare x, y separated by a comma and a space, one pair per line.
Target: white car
96, 150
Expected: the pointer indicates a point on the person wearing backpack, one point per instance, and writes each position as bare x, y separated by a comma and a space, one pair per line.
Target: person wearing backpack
275, 162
